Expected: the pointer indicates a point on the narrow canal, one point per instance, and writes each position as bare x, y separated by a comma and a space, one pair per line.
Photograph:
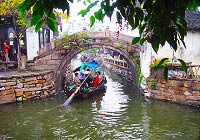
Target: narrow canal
120, 113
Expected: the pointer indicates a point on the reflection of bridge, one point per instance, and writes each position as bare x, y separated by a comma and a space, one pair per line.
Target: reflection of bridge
57, 58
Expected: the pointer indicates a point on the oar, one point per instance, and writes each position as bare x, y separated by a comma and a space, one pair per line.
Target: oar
66, 103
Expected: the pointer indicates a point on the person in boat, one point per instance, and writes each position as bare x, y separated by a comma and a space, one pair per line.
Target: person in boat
77, 80
89, 79
82, 78
100, 76
95, 82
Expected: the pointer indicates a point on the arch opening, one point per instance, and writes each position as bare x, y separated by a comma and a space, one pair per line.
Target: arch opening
62, 67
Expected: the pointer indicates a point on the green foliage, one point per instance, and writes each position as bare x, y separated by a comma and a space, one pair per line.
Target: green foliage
92, 50
121, 46
39, 25
110, 40
184, 66
165, 73
153, 84
82, 12
99, 15
74, 40
135, 40
138, 69
42, 12
141, 76
8, 8
163, 21
92, 21
157, 64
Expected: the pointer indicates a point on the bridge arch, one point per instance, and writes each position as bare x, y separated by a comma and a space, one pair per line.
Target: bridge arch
57, 58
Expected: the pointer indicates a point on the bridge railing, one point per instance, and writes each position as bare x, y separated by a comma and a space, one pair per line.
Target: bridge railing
176, 71
114, 36
110, 34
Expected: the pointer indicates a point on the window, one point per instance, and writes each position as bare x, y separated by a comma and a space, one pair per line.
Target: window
44, 37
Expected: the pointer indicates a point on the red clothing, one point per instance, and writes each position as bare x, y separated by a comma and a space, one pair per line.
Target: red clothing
95, 82
6, 49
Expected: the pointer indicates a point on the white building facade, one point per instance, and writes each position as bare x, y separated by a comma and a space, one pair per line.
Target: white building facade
36, 40
189, 54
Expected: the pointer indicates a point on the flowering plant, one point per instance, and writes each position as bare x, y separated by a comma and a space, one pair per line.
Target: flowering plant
159, 63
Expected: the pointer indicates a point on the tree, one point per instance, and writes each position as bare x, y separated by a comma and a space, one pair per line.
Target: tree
159, 21
43, 12
8, 7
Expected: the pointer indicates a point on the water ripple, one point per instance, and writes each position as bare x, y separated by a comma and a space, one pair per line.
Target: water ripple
119, 114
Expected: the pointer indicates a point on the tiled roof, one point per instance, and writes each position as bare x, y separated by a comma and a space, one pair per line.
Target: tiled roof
193, 19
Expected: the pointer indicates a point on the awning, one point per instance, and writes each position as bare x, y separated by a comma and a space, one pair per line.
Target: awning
93, 65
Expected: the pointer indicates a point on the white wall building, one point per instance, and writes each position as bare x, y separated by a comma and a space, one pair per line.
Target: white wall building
36, 40
189, 54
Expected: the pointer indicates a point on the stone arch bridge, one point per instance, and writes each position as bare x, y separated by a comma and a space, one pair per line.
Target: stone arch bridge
56, 57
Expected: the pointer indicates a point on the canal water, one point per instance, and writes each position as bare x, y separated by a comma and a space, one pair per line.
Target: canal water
119, 114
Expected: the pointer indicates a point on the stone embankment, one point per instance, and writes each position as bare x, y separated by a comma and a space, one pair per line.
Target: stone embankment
182, 91
24, 86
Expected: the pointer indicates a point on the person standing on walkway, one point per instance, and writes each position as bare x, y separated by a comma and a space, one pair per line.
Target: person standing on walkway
6, 51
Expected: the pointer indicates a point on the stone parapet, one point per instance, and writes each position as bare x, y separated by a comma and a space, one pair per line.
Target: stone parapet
182, 91
27, 86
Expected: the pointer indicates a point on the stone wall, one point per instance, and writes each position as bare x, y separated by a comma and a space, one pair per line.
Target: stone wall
182, 91
26, 86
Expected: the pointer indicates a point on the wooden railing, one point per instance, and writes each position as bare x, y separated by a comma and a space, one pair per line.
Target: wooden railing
120, 67
118, 63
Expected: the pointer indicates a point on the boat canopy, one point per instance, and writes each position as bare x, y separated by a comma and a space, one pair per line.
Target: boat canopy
93, 65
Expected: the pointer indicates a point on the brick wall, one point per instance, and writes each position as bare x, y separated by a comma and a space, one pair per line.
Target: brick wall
183, 91
22, 87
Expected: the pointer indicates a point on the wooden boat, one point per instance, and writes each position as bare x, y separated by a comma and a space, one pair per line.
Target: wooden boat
82, 92
87, 92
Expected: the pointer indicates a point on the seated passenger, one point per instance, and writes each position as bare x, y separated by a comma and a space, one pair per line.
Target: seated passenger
100, 76
81, 75
77, 80
89, 79
95, 82
82, 78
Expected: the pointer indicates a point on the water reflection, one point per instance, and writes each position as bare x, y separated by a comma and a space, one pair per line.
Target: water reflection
112, 105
